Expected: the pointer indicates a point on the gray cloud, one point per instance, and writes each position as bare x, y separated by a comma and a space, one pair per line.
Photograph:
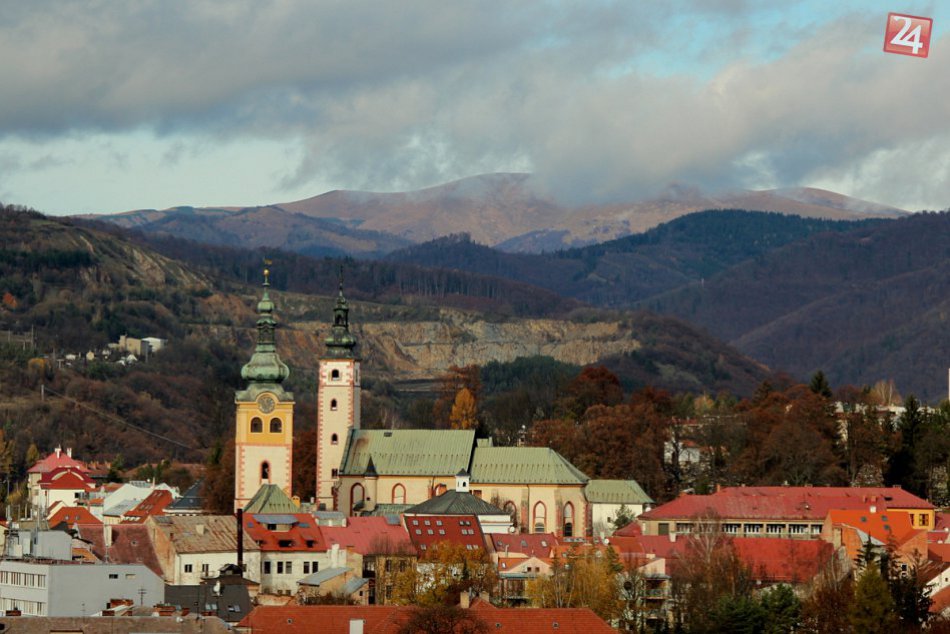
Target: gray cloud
408, 94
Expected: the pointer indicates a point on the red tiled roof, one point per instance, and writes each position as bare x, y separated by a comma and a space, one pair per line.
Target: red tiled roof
633, 529
335, 619
880, 525
806, 503
941, 521
783, 560
131, 544
154, 504
72, 515
938, 552
940, 601
56, 460
368, 536
529, 545
303, 536
66, 479
430, 530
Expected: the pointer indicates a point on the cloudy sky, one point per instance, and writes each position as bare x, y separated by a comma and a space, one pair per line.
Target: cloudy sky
115, 105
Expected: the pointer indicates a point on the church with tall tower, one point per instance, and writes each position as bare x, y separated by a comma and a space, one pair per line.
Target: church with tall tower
338, 401
264, 433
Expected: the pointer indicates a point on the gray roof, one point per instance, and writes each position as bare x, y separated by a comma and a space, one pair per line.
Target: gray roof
616, 492
202, 533
191, 501
523, 465
455, 503
354, 584
412, 452
321, 576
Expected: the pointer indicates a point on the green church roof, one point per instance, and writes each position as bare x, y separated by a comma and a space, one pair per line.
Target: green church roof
270, 498
616, 492
523, 465
412, 452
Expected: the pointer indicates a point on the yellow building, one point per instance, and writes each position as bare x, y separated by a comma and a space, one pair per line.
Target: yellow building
264, 432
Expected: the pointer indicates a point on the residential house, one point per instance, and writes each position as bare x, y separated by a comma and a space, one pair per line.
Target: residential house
461, 501
291, 548
191, 548
65, 486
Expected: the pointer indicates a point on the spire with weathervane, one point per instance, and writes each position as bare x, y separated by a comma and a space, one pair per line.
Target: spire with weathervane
340, 343
265, 369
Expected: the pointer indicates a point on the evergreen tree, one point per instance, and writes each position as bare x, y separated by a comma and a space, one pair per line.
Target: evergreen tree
873, 608
819, 384
782, 610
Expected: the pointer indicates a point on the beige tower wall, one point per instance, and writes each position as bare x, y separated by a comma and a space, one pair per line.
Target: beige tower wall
253, 448
338, 411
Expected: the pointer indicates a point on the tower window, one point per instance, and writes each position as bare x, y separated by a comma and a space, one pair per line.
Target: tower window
265, 472
334, 439
335, 375
333, 404
276, 426
257, 425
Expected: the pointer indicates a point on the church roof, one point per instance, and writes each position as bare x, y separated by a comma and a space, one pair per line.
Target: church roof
523, 465
455, 503
616, 492
191, 502
412, 452
270, 498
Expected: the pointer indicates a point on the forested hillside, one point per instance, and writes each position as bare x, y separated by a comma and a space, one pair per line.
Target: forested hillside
630, 269
864, 305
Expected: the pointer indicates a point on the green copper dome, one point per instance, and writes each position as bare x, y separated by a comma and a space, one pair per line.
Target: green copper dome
265, 366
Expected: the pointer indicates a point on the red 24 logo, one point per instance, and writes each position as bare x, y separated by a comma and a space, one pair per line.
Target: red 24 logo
907, 35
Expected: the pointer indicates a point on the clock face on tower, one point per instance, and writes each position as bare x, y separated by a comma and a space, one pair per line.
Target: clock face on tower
266, 403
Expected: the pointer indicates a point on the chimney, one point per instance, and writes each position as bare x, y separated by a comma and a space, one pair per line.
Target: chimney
200, 529
69, 452
356, 626
465, 600
107, 536
240, 540
58, 451
673, 537
873, 509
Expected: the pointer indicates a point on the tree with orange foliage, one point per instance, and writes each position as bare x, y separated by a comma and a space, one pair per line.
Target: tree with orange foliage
445, 571
450, 384
464, 413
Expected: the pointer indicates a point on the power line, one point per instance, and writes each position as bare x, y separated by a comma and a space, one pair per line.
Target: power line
115, 418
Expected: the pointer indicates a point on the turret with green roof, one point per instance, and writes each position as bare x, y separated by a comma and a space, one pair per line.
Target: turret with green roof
265, 371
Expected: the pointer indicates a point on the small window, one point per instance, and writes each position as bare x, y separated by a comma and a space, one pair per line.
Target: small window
334, 440
280, 567
205, 568
332, 404
113, 575
314, 566
257, 425
306, 567
265, 471
334, 473
189, 568
276, 426
266, 567
335, 375
289, 567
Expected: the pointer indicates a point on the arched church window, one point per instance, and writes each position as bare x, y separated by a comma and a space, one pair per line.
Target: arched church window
334, 439
568, 520
332, 404
276, 426
399, 494
265, 472
512, 512
335, 375
540, 517
257, 425
356, 497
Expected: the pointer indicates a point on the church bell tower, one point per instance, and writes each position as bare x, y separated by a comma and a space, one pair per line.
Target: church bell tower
338, 400
264, 434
